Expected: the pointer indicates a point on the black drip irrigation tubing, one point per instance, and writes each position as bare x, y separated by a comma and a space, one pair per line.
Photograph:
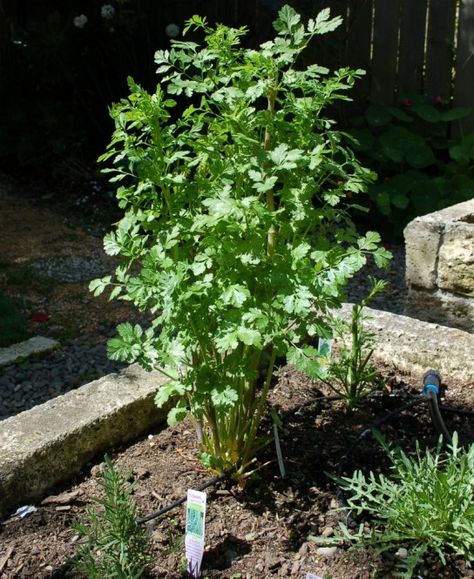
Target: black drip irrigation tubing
182, 500
227, 475
459, 411
364, 433
431, 393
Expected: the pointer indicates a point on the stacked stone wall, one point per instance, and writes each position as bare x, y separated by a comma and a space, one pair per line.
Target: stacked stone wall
440, 266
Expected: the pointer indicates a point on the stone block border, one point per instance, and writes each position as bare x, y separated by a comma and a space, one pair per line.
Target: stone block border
30, 347
48, 444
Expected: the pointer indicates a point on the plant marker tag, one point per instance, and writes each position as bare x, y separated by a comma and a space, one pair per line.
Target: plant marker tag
311, 576
325, 350
325, 347
281, 464
195, 524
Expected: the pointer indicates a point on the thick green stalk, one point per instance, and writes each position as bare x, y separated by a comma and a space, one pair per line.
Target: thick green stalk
272, 232
258, 412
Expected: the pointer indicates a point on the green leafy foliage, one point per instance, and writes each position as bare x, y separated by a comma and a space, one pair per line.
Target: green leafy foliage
236, 233
12, 326
421, 170
426, 505
351, 375
112, 544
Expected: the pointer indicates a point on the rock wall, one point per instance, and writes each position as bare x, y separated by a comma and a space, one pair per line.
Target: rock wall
440, 266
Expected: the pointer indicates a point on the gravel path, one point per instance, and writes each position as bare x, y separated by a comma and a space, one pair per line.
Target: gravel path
35, 381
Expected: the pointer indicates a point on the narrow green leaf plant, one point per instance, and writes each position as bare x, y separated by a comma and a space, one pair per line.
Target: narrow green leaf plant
111, 543
425, 505
351, 374
236, 235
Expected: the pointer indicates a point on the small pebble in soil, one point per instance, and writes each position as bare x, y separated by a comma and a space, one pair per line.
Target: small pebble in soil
326, 551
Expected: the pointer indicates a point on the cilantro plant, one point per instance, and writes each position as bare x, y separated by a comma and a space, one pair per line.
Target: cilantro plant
236, 235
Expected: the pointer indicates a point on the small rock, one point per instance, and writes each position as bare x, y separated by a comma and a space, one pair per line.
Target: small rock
141, 473
259, 567
402, 553
334, 504
327, 532
271, 561
97, 469
295, 568
326, 551
303, 549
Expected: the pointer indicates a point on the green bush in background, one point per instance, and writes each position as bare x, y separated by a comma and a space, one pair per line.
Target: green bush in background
12, 326
421, 168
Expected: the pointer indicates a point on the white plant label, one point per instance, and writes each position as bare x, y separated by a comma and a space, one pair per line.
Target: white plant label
195, 530
311, 576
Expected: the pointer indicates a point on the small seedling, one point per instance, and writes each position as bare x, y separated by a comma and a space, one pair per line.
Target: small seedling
352, 375
113, 545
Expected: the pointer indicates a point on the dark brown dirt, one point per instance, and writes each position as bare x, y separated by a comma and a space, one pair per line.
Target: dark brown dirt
262, 530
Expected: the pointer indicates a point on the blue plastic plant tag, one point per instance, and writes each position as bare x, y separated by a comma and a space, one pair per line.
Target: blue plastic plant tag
312, 576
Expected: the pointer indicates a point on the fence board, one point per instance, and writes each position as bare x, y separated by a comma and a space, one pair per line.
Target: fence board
359, 31
384, 63
412, 47
440, 49
464, 80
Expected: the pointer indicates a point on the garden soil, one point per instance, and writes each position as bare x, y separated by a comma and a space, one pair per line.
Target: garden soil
260, 529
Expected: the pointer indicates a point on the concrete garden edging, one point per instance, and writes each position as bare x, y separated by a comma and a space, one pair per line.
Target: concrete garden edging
46, 445
33, 346
440, 266
414, 346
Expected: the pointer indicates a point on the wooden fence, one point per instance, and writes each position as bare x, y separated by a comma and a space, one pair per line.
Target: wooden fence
406, 46
410, 46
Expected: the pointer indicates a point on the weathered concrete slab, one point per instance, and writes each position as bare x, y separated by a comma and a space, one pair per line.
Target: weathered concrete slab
51, 442
442, 308
415, 346
35, 345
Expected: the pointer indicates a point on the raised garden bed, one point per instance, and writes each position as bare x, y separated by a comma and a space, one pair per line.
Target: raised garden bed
261, 530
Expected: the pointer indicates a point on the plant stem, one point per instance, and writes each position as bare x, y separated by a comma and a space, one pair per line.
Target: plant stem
258, 411
272, 232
